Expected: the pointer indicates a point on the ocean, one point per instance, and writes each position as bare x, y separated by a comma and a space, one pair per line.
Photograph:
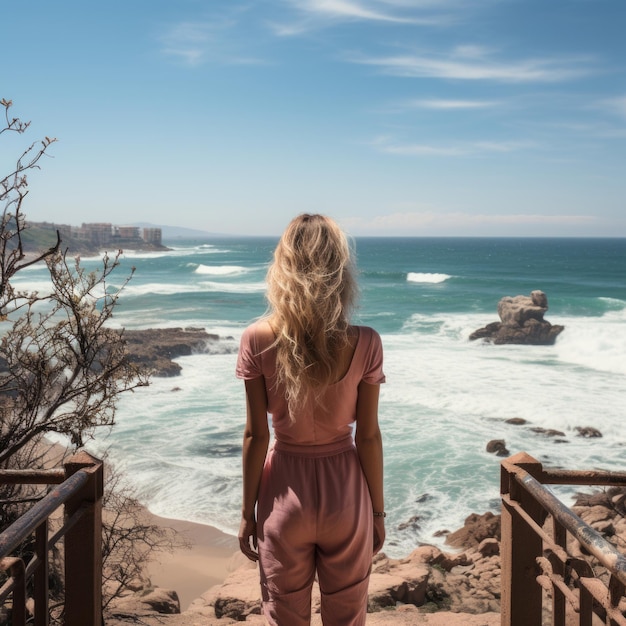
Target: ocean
179, 440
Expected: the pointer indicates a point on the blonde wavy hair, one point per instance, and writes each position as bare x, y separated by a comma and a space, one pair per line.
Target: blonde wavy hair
311, 293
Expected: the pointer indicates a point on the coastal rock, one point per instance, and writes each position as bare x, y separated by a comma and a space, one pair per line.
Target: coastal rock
237, 597
426, 578
605, 512
489, 547
516, 421
476, 528
389, 588
412, 523
148, 601
437, 581
497, 447
155, 348
547, 432
521, 322
588, 432
518, 310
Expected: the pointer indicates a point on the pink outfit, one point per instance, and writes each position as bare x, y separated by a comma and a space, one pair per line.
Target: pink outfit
314, 512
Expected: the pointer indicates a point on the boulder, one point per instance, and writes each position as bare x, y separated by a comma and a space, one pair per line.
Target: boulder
518, 310
516, 421
521, 322
497, 447
148, 601
476, 528
238, 597
547, 432
489, 547
588, 432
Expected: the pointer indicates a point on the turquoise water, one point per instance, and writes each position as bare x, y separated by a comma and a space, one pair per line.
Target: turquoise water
445, 398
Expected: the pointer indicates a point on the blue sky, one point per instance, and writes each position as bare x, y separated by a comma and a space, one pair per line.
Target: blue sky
397, 117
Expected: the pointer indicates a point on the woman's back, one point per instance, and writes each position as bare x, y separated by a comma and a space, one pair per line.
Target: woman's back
322, 420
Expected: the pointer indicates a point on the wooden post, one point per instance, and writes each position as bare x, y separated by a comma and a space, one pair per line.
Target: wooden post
16, 569
559, 603
521, 595
40, 577
83, 545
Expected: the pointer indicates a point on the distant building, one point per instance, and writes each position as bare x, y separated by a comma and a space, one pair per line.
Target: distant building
126, 232
153, 236
99, 233
103, 234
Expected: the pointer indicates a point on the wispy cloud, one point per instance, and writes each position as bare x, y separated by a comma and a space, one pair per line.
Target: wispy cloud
195, 43
347, 9
311, 14
615, 105
477, 63
388, 146
187, 41
441, 104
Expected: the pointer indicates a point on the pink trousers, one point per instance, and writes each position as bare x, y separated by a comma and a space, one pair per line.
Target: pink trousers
314, 515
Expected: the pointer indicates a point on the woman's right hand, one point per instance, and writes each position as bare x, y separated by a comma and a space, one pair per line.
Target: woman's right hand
379, 533
247, 535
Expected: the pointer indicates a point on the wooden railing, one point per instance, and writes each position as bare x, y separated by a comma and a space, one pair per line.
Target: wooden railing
541, 573
79, 490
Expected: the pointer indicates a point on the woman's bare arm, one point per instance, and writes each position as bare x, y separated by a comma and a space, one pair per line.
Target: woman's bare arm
370, 450
255, 443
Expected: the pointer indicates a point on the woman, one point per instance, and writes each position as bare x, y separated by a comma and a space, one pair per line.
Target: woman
318, 493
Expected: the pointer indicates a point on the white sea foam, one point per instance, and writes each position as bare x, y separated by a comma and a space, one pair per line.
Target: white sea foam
168, 289
444, 399
257, 287
206, 248
614, 303
158, 289
182, 446
597, 344
28, 284
425, 277
221, 270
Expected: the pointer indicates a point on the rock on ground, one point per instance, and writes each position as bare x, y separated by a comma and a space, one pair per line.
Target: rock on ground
394, 617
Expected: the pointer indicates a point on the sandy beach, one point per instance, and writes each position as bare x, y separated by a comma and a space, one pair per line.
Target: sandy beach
192, 571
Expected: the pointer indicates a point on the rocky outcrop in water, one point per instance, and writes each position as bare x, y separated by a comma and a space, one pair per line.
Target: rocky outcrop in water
155, 348
521, 322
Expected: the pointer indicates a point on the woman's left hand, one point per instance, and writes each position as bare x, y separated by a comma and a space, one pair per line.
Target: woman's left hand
247, 533
379, 533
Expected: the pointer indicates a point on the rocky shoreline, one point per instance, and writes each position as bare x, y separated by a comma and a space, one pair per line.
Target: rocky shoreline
430, 586
156, 348
463, 584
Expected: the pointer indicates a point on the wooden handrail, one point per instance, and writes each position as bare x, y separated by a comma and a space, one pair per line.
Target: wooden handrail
536, 557
79, 490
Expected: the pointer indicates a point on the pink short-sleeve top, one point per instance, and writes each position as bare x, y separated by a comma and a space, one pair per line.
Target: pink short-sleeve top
315, 424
